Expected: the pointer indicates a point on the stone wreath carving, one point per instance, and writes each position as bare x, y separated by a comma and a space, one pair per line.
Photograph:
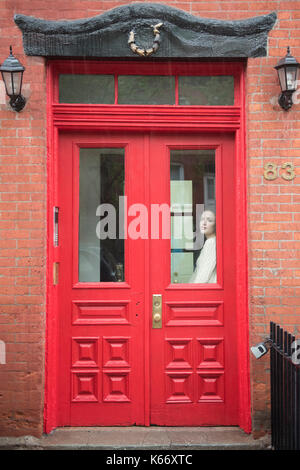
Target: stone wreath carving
146, 52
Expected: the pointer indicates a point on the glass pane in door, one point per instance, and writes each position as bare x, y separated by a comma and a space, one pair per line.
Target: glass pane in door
193, 216
101, 187
206, 91
146, 89
88, 89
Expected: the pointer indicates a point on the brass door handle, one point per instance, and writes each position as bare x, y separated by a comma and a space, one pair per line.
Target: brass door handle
156, 311
156, 317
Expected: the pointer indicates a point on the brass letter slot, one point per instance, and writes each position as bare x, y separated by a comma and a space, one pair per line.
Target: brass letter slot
156, 311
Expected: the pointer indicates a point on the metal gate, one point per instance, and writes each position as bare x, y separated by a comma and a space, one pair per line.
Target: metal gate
285, 390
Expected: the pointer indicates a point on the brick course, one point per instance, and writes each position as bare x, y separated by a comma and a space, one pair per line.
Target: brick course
274, 267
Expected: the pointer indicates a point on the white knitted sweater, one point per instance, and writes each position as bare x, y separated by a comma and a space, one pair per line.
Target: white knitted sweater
206, 266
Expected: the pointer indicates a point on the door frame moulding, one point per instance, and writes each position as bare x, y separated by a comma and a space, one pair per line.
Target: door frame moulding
185, 119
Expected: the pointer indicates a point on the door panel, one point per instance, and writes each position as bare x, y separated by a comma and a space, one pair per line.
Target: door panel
101, 323
108, 337
193, 355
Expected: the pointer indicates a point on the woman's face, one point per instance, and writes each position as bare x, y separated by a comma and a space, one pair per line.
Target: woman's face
208, 224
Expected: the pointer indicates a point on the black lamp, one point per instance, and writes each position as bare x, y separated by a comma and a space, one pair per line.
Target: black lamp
288, 71
12, 74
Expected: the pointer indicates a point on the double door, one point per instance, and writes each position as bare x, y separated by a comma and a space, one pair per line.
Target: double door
146, 279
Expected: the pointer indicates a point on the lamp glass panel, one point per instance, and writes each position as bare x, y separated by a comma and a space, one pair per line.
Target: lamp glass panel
297, 77
282, 78
8, 82
291, 77
16, 82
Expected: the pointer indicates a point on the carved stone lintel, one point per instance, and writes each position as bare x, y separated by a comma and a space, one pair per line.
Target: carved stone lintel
183, 35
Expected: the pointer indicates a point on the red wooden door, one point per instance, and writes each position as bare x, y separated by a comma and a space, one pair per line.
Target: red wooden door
117, 365
193, 355
101, 355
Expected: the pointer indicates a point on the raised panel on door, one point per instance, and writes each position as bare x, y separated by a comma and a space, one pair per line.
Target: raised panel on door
101, 283
193, 355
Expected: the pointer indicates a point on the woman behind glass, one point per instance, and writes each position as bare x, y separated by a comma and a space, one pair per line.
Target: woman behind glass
206, 266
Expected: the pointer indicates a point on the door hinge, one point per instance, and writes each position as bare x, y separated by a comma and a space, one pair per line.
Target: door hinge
55, 226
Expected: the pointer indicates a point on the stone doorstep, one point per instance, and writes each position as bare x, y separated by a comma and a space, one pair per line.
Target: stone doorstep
139, 438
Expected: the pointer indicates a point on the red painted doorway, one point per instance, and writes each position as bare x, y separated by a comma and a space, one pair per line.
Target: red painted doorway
125, 359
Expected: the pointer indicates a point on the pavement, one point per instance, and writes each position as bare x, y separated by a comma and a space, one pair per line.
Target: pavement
139, 438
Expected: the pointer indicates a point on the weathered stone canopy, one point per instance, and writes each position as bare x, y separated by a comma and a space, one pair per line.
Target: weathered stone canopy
182, 35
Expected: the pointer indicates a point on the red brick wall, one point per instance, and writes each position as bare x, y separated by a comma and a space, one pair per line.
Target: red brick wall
274, 267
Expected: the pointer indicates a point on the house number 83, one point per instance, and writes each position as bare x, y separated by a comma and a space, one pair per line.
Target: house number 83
272, 171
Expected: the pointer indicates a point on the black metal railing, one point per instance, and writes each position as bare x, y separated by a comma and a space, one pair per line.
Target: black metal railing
285, 390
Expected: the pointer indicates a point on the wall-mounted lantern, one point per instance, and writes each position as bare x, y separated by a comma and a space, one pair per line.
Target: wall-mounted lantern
288, 71
12, 74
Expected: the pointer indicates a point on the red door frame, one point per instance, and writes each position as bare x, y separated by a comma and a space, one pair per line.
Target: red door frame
141, 118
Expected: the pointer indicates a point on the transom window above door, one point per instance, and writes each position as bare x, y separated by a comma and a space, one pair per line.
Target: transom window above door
183, 90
